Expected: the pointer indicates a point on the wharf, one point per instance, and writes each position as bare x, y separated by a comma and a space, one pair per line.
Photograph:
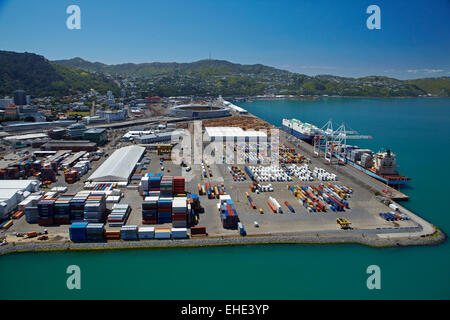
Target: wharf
358, 177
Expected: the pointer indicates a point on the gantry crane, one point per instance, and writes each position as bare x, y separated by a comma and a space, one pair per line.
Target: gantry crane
330, 140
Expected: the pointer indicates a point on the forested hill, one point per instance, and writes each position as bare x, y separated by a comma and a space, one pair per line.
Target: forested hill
40, 77
226, 78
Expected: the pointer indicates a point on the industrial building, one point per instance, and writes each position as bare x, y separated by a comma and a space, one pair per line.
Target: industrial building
130, 135
119, 166
76, 131
22, 126
233, 134
99, 136
80, 145
197, 111
24, 137
158, 137
12, 192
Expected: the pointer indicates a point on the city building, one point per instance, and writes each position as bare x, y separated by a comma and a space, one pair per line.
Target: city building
99, 136
6, 102
76, 131
20, 98
31, 113
112, 115
93, 119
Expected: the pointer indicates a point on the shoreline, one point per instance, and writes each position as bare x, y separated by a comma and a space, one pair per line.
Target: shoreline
315, 98
438, 237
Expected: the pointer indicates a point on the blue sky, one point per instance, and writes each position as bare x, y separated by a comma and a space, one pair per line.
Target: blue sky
311, 37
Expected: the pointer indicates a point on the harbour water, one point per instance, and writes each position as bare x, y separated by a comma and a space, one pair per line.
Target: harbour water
417, 130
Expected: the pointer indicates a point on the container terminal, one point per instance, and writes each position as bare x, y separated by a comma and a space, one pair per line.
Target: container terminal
121, 187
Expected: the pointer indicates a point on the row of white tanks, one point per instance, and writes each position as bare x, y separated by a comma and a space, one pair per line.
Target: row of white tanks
322, 175
269, 173
303, 173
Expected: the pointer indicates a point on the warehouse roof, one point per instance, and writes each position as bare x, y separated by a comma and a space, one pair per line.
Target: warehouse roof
17, 184
119, 166
95, 130
232, 132
26, 136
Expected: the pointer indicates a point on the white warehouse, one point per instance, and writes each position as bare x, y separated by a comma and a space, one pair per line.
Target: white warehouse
119, 166
234, 134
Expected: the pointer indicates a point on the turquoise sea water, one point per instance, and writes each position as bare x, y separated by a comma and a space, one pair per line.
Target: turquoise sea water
417, 130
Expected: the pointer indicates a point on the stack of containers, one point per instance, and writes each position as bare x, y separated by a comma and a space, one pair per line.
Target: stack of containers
119, 215
77, 206
228, 214
112, 235
179, 212
32, 214
82, 167
150, 210
95, 231
71, 176
150, 182
48, 174
77, 231
129, 233
178, 185
46, 209
144, 185
95, 208
179, 233
62, 209
164, 210
146, 233
30, 208
162, 233
166, 187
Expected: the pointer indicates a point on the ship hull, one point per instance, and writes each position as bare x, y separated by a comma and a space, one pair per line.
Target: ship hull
391, 182
298, 134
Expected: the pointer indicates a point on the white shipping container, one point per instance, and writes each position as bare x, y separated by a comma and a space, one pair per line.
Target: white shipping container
146, 232
179, 233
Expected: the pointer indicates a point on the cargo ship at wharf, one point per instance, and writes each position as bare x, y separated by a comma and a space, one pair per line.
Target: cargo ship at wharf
381, 166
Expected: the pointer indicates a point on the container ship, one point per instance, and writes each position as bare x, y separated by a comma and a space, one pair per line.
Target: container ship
381, 165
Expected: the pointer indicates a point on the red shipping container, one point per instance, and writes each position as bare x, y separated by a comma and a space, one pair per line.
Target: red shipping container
179, 216
198, 230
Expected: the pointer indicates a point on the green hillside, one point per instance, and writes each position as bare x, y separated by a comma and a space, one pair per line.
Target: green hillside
213, 77
436, 86
39, 77
205, 67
